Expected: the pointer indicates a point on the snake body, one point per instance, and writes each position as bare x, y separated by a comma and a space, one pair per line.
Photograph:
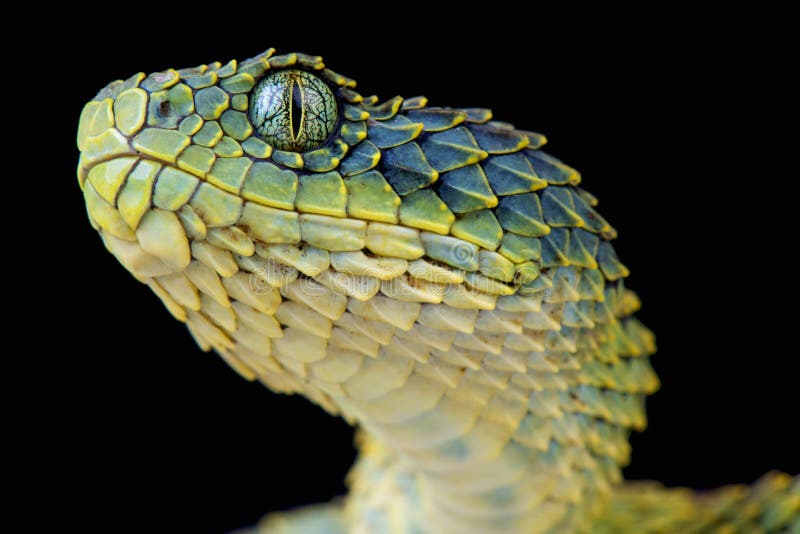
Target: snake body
427, 273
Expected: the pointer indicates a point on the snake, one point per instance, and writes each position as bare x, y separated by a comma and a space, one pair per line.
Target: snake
429, 274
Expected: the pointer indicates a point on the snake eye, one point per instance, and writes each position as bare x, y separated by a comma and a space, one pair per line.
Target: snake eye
293, 110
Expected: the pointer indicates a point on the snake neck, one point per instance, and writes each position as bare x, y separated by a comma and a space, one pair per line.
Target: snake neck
476, 484
483, 456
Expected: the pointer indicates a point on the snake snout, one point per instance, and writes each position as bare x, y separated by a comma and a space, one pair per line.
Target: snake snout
133, 190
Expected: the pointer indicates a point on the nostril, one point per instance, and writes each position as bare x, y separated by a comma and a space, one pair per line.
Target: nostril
165, 108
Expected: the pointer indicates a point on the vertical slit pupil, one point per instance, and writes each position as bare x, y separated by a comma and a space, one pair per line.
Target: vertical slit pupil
297, 108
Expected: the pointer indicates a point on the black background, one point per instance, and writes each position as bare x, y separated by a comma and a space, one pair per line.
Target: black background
127, 427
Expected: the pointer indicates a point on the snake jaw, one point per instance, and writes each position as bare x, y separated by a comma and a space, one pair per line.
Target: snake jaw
426, 272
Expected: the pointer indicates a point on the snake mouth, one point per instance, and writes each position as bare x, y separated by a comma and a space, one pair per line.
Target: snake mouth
128, 183
143, 204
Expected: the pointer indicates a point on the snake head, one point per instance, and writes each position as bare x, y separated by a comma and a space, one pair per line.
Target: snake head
194, 177
180, 155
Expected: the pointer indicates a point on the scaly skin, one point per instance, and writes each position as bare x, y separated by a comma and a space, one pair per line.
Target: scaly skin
428, 274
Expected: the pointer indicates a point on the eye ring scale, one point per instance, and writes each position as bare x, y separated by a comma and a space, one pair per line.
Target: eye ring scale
293, 110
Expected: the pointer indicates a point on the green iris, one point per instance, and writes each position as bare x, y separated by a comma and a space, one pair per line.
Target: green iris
293, 110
